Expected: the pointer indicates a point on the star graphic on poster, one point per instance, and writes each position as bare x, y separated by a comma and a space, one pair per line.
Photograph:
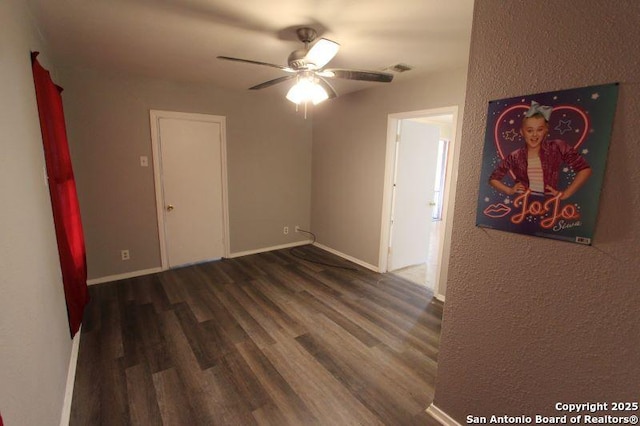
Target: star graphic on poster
511, 122
585, 151
486, 199
595, 96
511, 134
507, 201
564, 126
566, 170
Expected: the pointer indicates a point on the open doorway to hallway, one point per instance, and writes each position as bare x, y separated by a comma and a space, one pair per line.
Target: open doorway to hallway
417, 196
424, 273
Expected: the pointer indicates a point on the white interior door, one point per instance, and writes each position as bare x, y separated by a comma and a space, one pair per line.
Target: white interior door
417, 153
191, 176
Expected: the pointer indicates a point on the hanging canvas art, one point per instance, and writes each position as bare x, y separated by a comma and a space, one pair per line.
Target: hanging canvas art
544, 161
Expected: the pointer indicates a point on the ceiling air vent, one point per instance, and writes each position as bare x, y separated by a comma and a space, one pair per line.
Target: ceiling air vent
399, 68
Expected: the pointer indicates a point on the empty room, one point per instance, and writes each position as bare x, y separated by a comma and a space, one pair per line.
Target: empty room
268, 213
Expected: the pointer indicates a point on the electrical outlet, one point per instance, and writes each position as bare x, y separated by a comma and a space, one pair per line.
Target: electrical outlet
124, 254
285, 230
297, 228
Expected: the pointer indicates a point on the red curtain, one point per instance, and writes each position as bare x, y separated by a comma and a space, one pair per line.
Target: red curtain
64, 199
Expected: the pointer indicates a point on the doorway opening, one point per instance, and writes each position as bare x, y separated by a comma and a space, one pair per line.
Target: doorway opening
418, 196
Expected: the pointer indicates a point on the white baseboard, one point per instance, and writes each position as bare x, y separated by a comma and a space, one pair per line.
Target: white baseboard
159, 269
231, 256
272, 248
347, 257
442, 417
71, 380
123, 276
439, 297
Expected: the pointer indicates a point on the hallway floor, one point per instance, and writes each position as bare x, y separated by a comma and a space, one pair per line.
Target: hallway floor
425, 274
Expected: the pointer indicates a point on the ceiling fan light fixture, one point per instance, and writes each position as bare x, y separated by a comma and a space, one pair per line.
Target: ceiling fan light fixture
318, 94
307, 67
307, 90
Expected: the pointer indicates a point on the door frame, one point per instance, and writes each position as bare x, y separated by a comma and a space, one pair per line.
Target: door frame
154, 117
448, 198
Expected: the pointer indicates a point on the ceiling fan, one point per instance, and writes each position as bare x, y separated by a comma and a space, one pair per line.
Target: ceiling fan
306, 66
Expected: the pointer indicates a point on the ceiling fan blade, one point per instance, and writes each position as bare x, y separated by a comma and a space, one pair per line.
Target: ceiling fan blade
322, 52
248, 61
272, 82
381, 77
327, 87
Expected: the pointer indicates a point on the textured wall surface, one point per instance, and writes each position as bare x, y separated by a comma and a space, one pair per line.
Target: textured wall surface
34, 333
268, 157
531, 321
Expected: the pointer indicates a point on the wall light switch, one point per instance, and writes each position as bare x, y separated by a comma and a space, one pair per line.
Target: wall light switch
144, 161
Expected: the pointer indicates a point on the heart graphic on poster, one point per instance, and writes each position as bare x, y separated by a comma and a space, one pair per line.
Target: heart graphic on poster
567, 122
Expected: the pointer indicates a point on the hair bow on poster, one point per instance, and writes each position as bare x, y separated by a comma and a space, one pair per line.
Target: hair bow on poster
536, 108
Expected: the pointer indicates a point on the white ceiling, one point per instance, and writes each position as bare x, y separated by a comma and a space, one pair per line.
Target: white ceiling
180, 39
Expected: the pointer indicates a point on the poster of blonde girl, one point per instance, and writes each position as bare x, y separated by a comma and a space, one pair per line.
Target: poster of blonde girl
544, 162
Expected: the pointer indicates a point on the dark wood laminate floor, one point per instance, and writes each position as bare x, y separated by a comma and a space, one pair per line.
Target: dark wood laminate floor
266, 339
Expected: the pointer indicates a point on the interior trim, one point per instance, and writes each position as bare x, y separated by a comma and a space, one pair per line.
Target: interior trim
442, 417
124, 276
65, 417
347, 257
272, 248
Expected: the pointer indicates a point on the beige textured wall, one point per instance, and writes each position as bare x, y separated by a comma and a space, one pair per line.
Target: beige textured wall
349, 148
268, 153
34, 333
530, 321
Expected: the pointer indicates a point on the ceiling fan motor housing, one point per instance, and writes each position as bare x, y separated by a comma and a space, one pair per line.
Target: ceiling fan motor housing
306, 34
297, 59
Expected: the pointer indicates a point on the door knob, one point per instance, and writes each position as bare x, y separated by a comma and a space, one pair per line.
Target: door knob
170, 207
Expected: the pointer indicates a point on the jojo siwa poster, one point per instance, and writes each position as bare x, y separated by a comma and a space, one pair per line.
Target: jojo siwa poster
544, 162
